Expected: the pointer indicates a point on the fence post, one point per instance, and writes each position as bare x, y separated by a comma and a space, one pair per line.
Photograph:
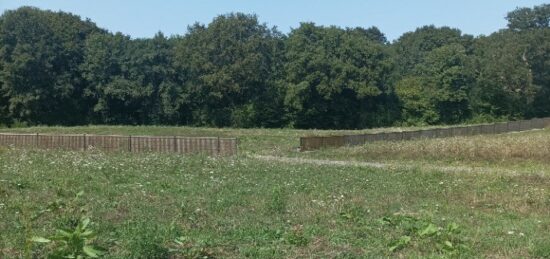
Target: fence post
84, 142
218, 146
130, 143
175, 144
36, 141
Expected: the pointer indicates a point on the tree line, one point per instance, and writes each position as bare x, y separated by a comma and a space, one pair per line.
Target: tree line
58, 69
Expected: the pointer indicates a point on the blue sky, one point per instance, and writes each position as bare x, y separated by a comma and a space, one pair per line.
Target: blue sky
140, 18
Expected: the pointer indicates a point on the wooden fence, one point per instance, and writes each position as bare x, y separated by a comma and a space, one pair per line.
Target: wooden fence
317, 142
173, 144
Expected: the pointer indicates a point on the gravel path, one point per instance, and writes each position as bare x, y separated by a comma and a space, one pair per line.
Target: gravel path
393, 165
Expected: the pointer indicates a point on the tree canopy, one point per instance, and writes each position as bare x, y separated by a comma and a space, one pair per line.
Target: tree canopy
58, 69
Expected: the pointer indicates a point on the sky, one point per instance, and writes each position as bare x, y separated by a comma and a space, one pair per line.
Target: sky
140, 18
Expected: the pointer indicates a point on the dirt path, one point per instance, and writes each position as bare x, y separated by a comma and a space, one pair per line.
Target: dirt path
394, 165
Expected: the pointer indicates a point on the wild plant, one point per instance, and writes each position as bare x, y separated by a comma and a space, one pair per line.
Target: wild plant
448, 240
72, 243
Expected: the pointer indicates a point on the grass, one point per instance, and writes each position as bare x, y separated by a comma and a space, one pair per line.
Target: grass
166, 205
525, 150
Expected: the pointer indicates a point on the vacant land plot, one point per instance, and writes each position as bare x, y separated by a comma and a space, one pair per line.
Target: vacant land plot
165, 205
523, 151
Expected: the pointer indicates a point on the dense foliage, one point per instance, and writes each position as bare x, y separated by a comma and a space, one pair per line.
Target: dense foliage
57, 69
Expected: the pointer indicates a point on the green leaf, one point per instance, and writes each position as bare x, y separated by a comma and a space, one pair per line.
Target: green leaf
452, 227
87, 234
91, 251
400, 243
394, 247
448, 244
428, 230
346, 215
85, 223
179, 241
40, 240
64, 233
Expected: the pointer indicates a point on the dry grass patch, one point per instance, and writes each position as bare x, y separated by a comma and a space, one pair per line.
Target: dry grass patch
512, 147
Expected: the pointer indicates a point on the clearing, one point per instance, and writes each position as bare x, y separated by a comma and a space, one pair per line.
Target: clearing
484, 196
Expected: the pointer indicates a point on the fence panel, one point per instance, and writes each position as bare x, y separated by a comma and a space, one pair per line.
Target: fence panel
228, 146
354, 140
426, 134
406, 135
445, 132
394, 136
18, 140
501, 127
461, 131
525, 125
207, 145
458, 131
487, 129
469, 131
311, 143
514, 126
370, 137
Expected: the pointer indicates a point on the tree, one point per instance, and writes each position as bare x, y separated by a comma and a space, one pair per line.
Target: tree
372, 33
429, 65
438, 91
154, 59
504, 81
536, 56
230, 64
117, 84
334, 78
449, 68
529, 18
5, 118
417, 103
56, 68
412, 47
40, 53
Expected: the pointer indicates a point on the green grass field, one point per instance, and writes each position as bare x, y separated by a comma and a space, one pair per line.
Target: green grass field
173, 206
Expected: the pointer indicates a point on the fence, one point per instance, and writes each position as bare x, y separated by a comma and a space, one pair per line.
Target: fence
174, 144
317, 142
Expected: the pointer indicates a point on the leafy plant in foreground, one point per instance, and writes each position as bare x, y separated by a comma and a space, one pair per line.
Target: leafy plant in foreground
446, 240
73, 243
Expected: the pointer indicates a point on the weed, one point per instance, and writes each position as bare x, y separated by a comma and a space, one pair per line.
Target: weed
296, 236
188, 248
277, 203
73, 243
447, 240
